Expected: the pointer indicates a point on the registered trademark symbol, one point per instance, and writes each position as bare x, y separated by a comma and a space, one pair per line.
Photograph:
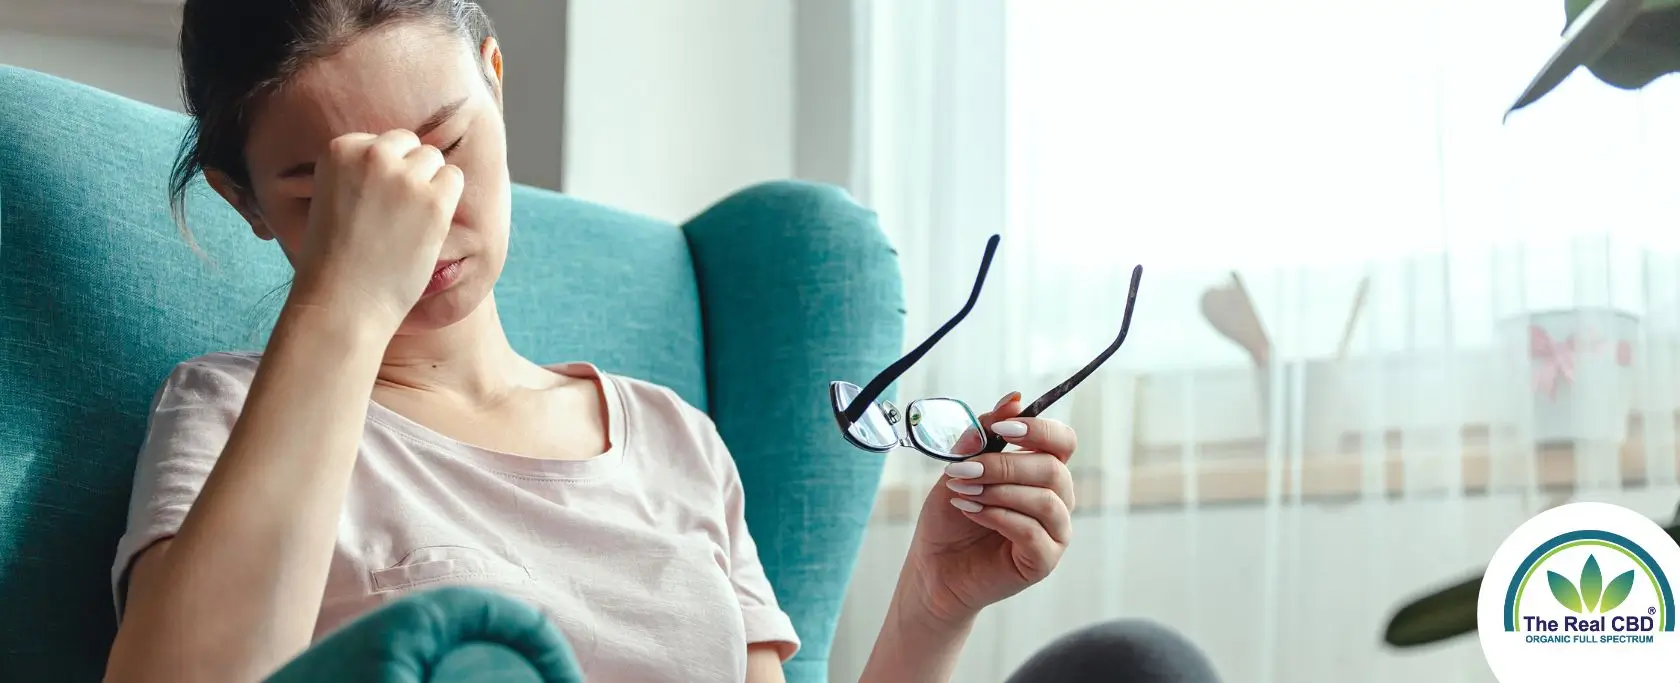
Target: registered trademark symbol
1650, 610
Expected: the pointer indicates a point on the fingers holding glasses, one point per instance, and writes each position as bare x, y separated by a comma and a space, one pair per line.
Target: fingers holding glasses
1007, 407
1042, 505
1039, 434
1035, 552
973, 439
974, 476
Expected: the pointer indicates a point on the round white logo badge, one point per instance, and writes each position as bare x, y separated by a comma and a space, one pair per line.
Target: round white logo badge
1582, 592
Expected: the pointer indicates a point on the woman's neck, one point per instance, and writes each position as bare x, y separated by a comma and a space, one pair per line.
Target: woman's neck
471, 359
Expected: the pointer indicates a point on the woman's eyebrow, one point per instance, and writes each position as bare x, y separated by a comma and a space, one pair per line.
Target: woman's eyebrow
438, 118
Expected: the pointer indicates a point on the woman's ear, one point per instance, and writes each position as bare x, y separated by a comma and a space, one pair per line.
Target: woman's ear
240, 200
490, 53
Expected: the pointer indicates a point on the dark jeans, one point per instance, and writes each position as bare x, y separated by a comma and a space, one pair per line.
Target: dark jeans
1122, 651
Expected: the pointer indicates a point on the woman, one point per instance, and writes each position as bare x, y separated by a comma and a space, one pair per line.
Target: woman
390, 439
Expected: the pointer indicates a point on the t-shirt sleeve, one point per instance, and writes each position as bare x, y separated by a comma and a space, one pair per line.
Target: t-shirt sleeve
765, 620
191, 418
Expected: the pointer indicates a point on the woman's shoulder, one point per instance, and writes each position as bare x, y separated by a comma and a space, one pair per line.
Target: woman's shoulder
630, 391
665, 427
213, 375
646, 391
650, 406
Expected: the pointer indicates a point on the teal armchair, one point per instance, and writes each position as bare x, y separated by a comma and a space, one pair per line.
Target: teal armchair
746, 311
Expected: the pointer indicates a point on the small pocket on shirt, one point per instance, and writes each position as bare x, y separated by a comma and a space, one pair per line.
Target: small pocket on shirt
434, 564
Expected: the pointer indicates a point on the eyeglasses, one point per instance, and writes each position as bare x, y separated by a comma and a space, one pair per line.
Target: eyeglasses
944, 428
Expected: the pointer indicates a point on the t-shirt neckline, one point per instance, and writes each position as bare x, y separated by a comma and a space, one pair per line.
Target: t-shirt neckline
520, 465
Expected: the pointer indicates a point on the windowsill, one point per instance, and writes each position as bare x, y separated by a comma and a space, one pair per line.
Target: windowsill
1240, 473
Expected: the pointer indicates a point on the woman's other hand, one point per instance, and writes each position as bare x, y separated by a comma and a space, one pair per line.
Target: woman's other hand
997, 523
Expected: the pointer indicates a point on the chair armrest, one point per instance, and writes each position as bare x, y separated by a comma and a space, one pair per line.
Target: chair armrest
798, 287
448, 635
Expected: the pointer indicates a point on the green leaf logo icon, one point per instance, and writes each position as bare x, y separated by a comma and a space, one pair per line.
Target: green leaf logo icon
1564, 591
1593, 595
1592, 584
1616, 592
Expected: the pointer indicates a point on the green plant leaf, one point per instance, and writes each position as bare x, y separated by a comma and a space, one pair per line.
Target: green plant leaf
1592, 584
1443, 614
1617, 592
1564, 591
1648, 49
1591, 31
1573, 8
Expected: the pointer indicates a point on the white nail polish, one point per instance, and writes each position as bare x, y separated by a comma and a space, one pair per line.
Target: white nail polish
968, 506
967, 469
1009, 428
965, 489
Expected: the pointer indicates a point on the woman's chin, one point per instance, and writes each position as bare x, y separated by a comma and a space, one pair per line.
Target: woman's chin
445, 308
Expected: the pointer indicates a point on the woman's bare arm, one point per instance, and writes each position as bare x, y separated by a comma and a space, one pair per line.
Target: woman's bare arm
234, 594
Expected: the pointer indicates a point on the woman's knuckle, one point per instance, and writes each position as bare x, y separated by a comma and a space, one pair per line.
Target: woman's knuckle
382, 162
1044, 501
439, 203
346, 144
411, 186
1059, 433
1005, 467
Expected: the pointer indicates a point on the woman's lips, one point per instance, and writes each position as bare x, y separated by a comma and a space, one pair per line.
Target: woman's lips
444, 276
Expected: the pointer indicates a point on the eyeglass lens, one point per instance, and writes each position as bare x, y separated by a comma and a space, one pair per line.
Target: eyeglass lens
871, 428
946, 427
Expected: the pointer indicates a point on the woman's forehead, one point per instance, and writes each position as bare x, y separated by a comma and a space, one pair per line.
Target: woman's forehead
384, 80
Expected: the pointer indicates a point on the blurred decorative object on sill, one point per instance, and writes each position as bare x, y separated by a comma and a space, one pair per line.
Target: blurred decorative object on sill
1581, 364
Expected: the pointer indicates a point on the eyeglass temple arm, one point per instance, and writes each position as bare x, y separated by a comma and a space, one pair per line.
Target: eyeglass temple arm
994, 443
872, 391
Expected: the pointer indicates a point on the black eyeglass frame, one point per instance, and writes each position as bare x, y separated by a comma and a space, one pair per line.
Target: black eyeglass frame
867, 396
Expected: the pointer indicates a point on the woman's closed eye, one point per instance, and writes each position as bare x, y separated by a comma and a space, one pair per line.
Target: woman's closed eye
453, 146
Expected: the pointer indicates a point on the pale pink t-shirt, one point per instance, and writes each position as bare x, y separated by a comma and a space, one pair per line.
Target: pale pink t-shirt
640, 555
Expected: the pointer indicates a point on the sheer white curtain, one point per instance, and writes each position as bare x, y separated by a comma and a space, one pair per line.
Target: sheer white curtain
1435, 323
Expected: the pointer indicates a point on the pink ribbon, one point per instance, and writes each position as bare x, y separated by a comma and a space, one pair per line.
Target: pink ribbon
1555, 361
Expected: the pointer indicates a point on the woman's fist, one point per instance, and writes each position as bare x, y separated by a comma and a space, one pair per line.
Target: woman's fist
381, 210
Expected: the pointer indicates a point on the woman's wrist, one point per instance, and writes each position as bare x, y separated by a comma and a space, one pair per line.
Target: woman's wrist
340, 321
911, 613
917, 643
921, 609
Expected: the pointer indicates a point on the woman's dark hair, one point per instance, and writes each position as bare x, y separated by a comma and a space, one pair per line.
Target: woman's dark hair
236, 52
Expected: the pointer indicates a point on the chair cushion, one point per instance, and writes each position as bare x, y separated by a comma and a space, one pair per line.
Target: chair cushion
800, 288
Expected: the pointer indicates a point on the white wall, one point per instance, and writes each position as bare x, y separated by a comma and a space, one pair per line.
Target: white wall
673, 104
146, 73
667, 105
826, 86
